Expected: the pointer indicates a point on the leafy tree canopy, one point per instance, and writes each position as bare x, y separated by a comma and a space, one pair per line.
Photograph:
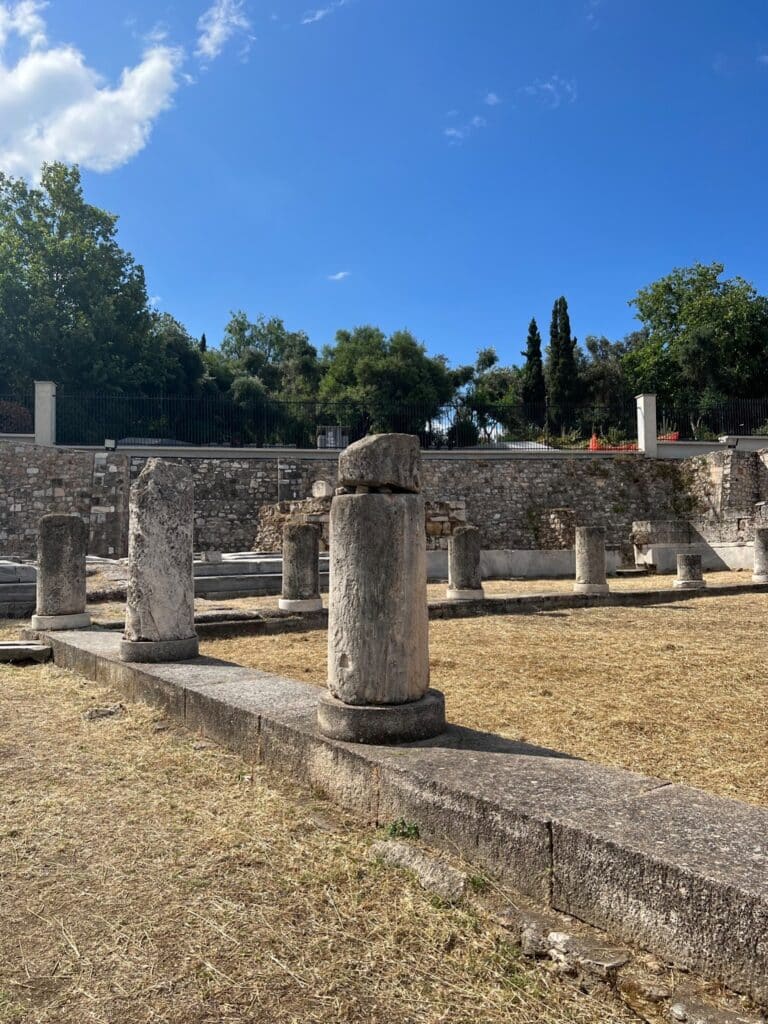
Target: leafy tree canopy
73, 304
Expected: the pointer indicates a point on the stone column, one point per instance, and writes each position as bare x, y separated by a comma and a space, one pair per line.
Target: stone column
760, 570
378, 656
647, 438
689, 574
160, 613
301, 568
62, 544
590, 560
464, 580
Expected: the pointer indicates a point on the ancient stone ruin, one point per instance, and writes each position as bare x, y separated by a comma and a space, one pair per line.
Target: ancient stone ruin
160, 611
61, 548
760, 569
689, 573
464, 580
301, 568
590, 560
378, 656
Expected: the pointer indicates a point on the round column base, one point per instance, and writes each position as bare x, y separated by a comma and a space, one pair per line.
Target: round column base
591, 588
760, 577
689, 584
382, 723
159, 650
81, 620
464, 595
309, 604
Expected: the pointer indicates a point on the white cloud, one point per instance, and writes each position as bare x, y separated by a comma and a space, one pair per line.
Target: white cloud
25, 20
223, 20
491, 99
53, 106
338, 277
553, 92
763, 58
322, 12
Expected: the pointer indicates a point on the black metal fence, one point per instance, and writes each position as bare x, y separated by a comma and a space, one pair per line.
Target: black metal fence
707, 421
17, 412
219, 421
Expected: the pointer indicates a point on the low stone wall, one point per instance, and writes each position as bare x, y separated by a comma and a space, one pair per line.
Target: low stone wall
519, 503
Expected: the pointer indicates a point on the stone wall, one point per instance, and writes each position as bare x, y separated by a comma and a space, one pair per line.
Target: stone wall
534, 503
33, 481
518, 503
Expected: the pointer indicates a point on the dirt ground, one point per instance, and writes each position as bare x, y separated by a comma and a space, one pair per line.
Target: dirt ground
147, 876
679, 691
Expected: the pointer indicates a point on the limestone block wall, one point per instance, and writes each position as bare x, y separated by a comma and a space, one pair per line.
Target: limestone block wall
35, 480
527, 503
518, 503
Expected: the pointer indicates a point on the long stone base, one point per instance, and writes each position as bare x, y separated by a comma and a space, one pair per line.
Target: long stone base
159, 650
759, 577
310, 604
689, 584
80, 621
590, 588
382, 723
670, 868
464, 595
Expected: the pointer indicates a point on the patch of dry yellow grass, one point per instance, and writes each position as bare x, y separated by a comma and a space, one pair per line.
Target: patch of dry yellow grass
679, 691
147, 877
436, 592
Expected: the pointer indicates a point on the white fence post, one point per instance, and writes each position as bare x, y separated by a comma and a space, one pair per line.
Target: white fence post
45, 412
647, 441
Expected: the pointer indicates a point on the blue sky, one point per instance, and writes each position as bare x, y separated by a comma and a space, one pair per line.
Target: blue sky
460, 162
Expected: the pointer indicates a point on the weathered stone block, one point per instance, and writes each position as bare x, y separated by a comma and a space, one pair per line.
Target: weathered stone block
382, 460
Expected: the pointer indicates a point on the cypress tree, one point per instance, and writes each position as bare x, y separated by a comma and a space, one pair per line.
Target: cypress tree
533, 389
563, 385
203, 343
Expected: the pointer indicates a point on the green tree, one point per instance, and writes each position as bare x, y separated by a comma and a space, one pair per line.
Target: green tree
532, 384
203, 342
392, 382
73, 304
283, 361
564, 389
705, 338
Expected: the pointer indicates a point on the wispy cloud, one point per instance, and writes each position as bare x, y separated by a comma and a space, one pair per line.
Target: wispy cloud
311, 17
591, 12
492, 99
342, 274
552, 92
763, 58
458, 134
54, 106
216, 26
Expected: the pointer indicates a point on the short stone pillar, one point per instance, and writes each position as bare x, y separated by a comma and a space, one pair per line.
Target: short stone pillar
62, 544
378, 655
760, 568
464, 580
160, 612
689, 574
590, 560
301, 568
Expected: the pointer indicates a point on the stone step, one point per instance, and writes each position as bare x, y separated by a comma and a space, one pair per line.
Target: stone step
23, 650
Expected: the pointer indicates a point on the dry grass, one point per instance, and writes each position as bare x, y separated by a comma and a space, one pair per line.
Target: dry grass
679, 691
436, 592
147, 877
